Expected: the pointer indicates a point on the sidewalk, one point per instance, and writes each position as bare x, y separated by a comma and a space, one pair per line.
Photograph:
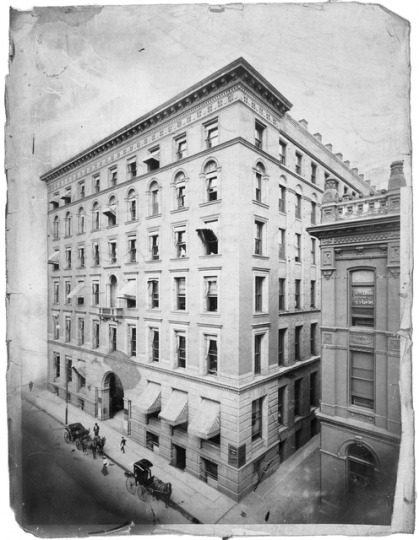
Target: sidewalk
196, 500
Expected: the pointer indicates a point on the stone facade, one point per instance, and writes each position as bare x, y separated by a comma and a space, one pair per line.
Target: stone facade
183, 281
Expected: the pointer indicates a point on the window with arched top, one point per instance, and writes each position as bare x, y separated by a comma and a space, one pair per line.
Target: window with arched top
82, 221
313, 217
110, 211
154, 208
282, 197
361, 467
132, 205
95, 216
259, 174
180, 190
56, 228
362, 301
211, 181
68, 224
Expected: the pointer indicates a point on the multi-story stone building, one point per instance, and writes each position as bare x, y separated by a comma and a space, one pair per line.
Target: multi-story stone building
360, 406
183, 284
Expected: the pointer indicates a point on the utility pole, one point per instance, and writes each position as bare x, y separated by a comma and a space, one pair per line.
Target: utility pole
66, 391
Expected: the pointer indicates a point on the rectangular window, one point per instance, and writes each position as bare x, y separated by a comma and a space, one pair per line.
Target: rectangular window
281, 346
56, 324
133, 340
211, 134
113, 176
181, 148
212, 187
82, 223
113, 258
96, 184
82, 192
80, 297
298, 162
155, 345
326, 176
81, 331
181, 350
132, 249
259, 230
362, 298
67, 292
297, 343
95, 254
95, 334
56, 292
208, 234
282, 152
313, 251
313, 390
154, 194
297, 294
68, 258
313, 213
56, 228
259, 293
181, 195
67, 226
257, 419
154, 247
132, 208
67, 196
67, 329
210, 470
298, 248
153, 159
211, 294
95, 217
258, 134
153, 292
82, 260
112, 338
57, 365
95, 293
258, 352
313, 173
312, 294
69, 366
82, 384
297, 397
362, 379
281, 294
131, 169
258, 187
281, 244
180, 242
281, 199
298, 206
180, 284
212, 355
281, 406
313, 331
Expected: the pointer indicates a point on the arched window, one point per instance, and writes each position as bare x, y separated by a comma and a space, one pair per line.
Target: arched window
132, 205
56, 228
68, 224
180, 190
113, 283
211, 181
82, 221
110, 211
282, 196
154, 199
362, 301
361, 467
259, 174
95, 216
313, 209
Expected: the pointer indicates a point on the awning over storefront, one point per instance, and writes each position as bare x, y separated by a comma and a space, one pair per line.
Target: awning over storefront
176, 410
129, 290
80, 368
150, 400
54, 258
76, 291
206, 422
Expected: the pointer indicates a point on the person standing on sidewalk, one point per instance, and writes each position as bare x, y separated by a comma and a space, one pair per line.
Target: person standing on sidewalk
104, 470
84, 447
122, 445
94, 448
96, 430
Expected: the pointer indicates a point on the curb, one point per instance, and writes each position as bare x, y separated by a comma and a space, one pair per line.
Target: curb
170, 503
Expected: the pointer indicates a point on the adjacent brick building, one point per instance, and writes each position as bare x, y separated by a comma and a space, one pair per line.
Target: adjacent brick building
184, 288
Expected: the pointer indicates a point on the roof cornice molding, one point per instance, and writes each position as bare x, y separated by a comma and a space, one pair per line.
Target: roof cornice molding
238, 71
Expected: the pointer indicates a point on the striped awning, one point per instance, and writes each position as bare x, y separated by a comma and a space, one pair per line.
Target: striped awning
80, 368
76, 291
206, 422
54, 258
129, 290
150, 400
176, 410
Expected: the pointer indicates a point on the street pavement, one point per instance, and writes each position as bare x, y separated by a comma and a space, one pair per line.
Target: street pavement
289, 496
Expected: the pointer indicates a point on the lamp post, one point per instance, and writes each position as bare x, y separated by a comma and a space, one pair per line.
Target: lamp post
66, 391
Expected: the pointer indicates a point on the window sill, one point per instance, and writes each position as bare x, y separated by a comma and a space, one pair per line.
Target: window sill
208, 203
67, 236
153, 216
81, 233
131, 263
55, 238
153, 261
260, 314
361, 410
298, 418
283, 213
179, 312
111, 266
211, 314
112, 226
262, 204
179, 259
132, 221
263, 257
95, 230
177, 210
213, 256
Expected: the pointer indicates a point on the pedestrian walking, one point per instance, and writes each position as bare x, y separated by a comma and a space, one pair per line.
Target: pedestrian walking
84, 447
94, 448
122, 445
96, 430
30, 386
104, 470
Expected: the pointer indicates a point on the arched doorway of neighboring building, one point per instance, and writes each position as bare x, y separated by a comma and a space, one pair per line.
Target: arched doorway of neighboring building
113, 282
361, 469
112, 396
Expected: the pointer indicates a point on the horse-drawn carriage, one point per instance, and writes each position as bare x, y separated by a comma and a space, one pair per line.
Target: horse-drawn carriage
142, 482
77, 432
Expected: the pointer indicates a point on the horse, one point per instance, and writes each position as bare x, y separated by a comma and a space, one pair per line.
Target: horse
97, 441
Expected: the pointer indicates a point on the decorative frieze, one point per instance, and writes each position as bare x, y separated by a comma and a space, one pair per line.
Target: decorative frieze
363, 340
362, 417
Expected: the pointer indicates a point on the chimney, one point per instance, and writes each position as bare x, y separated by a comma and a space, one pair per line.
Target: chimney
355, 170
318, 136
304, 123
347, 163
329, 147
339, 156
397, 178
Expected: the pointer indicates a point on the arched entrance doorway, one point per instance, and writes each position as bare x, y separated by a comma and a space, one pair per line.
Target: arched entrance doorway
112, 396
361, 469
113, 282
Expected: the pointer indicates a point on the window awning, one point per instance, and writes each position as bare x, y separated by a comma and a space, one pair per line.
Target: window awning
176, 410
152, 157
128, 291
110, 211
80, 367
66, 196
54, 258
206, 422
150, 400
76, 291
207, 234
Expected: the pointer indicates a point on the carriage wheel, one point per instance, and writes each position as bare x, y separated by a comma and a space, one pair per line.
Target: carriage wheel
142, 493
67, 437
130, 483
78, 445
